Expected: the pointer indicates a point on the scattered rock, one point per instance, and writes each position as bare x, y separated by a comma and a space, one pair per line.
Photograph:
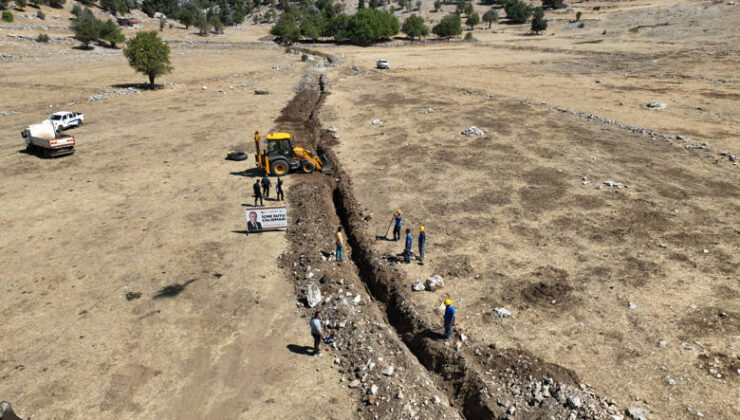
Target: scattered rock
671, 381
631, 305
331, 129
314, 295
573, 402
373, 390
261, 92
436, 400
355, 384
434, 283
399, 395
388, 371
204, 88
418, 286
662, 344
473, 131
376, 122
613, 184
636, 413
502, 312
656, 105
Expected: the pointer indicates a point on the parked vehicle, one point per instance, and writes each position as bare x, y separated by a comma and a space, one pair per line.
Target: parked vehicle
45, 140
64, 119
383, 64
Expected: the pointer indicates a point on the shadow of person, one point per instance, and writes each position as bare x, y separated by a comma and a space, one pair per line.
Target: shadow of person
433, 335
295, 348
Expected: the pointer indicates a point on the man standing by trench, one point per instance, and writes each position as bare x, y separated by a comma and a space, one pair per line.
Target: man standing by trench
340, 245
257, 193
317, 332
397, 226
409, 245
266, 186
279, 189
449, 318
422, 244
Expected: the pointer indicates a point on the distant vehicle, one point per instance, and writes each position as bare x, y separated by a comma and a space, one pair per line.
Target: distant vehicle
383, 64
128, 21
64, 119
44, 139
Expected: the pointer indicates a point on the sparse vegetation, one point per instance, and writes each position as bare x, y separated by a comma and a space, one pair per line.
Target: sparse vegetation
414, 27
449, 26
518, 11
148, 55
42, 38
539, 23
634, 29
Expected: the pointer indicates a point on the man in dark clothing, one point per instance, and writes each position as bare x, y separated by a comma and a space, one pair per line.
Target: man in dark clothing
279, 189
408, 247
257, 193
422, 244
397, 226
266, 186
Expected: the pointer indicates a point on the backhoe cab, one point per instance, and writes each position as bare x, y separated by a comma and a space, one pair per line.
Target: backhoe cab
281, 157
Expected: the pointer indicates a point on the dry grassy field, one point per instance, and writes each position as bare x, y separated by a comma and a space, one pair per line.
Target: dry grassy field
130, 291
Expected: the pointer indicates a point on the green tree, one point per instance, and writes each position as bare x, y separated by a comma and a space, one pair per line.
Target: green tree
472, 20
418, 4
287, 28
361, 4
76, 10
373, 4
491, 17
186, 17
414, 27
110, 32
468, 9
85, 27
148, 55
450, 25
368, 26
517, 11
539, 23
437, 5
216, 24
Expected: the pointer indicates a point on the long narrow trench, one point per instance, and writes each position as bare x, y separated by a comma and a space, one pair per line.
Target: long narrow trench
479, 380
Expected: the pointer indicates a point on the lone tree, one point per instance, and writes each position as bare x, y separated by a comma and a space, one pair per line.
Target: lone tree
437, 5
472, 20
187, 18
539, 23
491, 17
147, 54
414, 26
518, 11
450, 25
86, 27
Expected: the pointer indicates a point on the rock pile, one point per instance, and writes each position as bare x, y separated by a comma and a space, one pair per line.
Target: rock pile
473, 131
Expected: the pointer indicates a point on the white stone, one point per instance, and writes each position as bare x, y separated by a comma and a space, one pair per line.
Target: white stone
501, 312
417, 286
314, 295
433, 283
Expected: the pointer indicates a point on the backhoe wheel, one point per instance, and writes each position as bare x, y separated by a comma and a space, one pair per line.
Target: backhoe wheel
279, 167
307, 167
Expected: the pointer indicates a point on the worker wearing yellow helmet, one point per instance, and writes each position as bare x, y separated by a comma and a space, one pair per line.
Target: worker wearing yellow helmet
422, 245
449, 318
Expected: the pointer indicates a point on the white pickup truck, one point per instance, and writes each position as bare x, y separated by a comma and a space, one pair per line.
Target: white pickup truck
64, 119
43, 138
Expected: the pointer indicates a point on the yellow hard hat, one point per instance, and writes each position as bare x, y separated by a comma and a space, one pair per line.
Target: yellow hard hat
398, 211
448, 302
421, 229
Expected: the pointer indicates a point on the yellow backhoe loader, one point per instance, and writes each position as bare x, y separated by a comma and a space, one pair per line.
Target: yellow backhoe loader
281, 157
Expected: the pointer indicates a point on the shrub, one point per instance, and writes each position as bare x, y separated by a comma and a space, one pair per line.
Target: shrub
186, 17
57, 4
450, 25
414, 27
583, 25
148, 55
469, 36
3, 4
76, 10
517, 11
491, 17
20, 4
437, 5
578, 16
539, 23
472, 20
7, 16
43, 38
287, 28
41, 15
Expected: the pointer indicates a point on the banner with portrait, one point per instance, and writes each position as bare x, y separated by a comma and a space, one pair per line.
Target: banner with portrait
266, 218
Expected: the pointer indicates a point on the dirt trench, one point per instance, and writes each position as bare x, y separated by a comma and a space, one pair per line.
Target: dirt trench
479, 381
